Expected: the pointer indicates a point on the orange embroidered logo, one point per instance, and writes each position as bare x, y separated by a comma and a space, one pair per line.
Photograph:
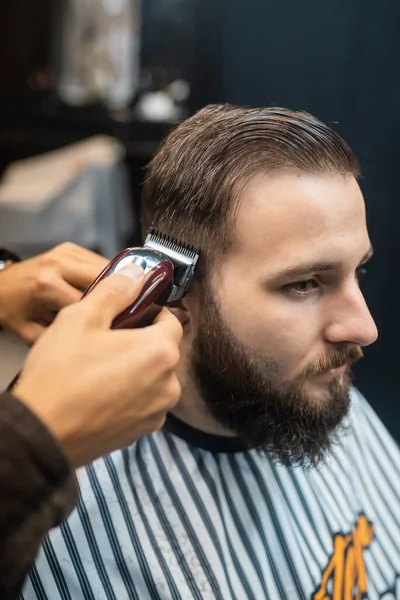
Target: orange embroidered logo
346, 569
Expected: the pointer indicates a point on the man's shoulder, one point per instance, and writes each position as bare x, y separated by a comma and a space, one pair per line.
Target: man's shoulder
121, 463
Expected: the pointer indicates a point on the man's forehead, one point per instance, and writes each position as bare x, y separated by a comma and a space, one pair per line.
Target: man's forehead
284, 215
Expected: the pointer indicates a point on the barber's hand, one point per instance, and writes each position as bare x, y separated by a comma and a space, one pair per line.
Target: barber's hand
34, 290
98, 389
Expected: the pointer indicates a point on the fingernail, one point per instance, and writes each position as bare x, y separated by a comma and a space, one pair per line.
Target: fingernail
133, 271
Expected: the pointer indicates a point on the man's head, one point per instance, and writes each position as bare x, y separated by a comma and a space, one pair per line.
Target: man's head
271, 198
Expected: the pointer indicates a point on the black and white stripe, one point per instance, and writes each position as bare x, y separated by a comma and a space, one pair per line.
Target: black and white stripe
167, 520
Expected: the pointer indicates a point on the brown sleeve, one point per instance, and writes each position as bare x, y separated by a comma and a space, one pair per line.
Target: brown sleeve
37, 490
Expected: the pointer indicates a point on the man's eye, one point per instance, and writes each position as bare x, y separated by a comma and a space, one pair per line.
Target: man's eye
302, 288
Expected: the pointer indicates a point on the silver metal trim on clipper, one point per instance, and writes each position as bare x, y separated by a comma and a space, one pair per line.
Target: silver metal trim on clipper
183, 256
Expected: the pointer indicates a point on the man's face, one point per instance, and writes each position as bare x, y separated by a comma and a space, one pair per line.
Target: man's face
283, 316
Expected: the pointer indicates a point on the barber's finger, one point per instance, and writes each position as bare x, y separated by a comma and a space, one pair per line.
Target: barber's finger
42, 315
57, 293
82, 254
113, 294
81, 274
167, 324
31, 332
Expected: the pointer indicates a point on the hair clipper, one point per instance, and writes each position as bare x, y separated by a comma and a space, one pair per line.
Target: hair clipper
169, 266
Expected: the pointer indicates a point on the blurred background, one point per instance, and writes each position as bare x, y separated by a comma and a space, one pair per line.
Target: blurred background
90, 87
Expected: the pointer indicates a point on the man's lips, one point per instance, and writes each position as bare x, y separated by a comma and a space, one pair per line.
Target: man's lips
331, 373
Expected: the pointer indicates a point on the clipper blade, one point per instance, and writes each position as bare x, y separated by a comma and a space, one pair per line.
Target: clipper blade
172, 244
183, 256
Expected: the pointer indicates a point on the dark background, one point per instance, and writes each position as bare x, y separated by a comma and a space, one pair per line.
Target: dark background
335, 59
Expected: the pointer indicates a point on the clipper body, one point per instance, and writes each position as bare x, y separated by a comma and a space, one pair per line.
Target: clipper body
169, 267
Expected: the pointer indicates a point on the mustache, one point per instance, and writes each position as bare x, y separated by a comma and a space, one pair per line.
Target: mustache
335, 359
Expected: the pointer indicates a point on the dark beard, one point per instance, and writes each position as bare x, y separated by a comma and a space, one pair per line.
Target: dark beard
247, 393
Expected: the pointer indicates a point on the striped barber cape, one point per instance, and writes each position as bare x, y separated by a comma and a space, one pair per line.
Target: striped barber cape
185, 515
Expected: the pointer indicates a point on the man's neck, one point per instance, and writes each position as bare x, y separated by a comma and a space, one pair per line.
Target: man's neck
192, 410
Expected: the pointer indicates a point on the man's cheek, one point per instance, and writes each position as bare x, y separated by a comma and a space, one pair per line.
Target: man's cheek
249, 323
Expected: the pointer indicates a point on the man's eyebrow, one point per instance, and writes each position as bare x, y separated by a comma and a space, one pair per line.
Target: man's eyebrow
317, 267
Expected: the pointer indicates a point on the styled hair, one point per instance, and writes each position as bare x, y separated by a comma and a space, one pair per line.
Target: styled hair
193, 185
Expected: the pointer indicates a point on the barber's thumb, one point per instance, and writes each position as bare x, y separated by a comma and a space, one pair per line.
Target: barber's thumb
115, 293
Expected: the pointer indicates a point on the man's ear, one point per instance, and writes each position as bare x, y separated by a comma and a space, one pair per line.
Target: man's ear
188, 309
180, 311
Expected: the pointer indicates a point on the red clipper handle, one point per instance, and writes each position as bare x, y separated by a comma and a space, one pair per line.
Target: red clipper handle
141, 312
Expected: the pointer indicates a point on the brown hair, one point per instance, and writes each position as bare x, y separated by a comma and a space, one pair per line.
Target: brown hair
193, 184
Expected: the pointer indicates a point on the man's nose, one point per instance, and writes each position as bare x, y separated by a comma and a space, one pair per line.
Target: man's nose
351, 320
